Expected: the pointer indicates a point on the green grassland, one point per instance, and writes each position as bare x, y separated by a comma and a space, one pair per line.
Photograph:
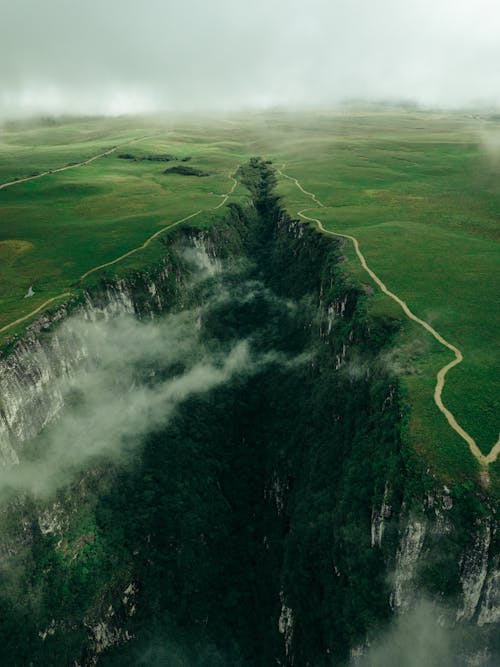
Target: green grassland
421, 194
420, 191
57, 227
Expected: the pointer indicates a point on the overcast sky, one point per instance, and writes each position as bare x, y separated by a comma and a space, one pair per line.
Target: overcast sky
117, 56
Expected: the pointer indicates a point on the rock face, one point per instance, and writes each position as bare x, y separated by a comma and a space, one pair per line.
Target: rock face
407, 558
475, 564
30, 395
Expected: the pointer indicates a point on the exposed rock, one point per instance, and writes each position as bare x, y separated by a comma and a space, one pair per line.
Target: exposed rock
407, 558
379, 517
285, 624
30, 397
474, 569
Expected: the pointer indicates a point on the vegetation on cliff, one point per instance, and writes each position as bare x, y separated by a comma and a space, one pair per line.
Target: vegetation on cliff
242, 529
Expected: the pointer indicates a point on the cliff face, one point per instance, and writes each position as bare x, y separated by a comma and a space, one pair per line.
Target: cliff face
475, 564
30, 396
270, 521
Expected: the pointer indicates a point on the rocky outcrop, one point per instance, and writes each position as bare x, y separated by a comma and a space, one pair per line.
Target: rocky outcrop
477, 564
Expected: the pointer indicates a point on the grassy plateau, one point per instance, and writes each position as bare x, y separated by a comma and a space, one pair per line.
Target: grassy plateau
420, 191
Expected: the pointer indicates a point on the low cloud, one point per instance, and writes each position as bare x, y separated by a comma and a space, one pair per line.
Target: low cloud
404, 359
113, 57
423, 637
136, 375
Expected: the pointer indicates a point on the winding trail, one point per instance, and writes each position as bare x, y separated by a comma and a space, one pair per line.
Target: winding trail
34, 312
228, 194
71, 166
143, 246
441, 375
98, 268
59, 169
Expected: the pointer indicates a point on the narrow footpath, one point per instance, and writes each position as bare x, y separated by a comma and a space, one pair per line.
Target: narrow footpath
441, 375
71, 166
58, 169
144, 245
226, 196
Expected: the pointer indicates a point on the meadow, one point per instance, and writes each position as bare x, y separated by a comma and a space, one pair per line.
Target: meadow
419, 191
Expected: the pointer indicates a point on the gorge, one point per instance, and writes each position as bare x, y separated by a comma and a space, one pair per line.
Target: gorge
204, 464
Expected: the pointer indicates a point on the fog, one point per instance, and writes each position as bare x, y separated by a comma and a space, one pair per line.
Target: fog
133, 376
124, 57
424, 637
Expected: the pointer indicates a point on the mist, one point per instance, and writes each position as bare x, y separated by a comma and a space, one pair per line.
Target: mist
135, 376
424, 636
135, 373
128, 57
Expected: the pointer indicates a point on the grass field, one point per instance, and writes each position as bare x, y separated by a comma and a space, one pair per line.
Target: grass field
56, 228
419, 191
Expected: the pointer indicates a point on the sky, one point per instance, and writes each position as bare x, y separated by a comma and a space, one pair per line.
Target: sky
126, 56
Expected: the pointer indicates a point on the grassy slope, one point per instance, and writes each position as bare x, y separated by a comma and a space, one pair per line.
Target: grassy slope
420, 193
56, 228
418, 190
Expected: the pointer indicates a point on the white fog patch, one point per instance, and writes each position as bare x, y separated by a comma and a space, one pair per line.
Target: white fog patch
417, 638
489, 138
403, 359
135, 376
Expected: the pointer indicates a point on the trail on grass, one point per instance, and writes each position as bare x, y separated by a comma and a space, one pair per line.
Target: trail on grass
59, 169
98, 268
228, 194
441, 375
70, 166
153, 236
34, 312
143, 246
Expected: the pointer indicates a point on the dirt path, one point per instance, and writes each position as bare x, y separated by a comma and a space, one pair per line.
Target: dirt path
118, 259
72, 166
161, 231
141, 247
97, 268
440, 378
228, 194
59, 169
34, 312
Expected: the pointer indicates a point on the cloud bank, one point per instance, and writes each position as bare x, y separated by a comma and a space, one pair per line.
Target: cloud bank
125, 57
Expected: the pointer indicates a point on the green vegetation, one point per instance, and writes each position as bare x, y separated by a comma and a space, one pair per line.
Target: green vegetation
185, 171
264, 499
419, 191
54, 229
150, 158
192, 517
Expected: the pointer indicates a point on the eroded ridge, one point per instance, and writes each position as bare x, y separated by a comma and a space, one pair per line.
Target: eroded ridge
441, 375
